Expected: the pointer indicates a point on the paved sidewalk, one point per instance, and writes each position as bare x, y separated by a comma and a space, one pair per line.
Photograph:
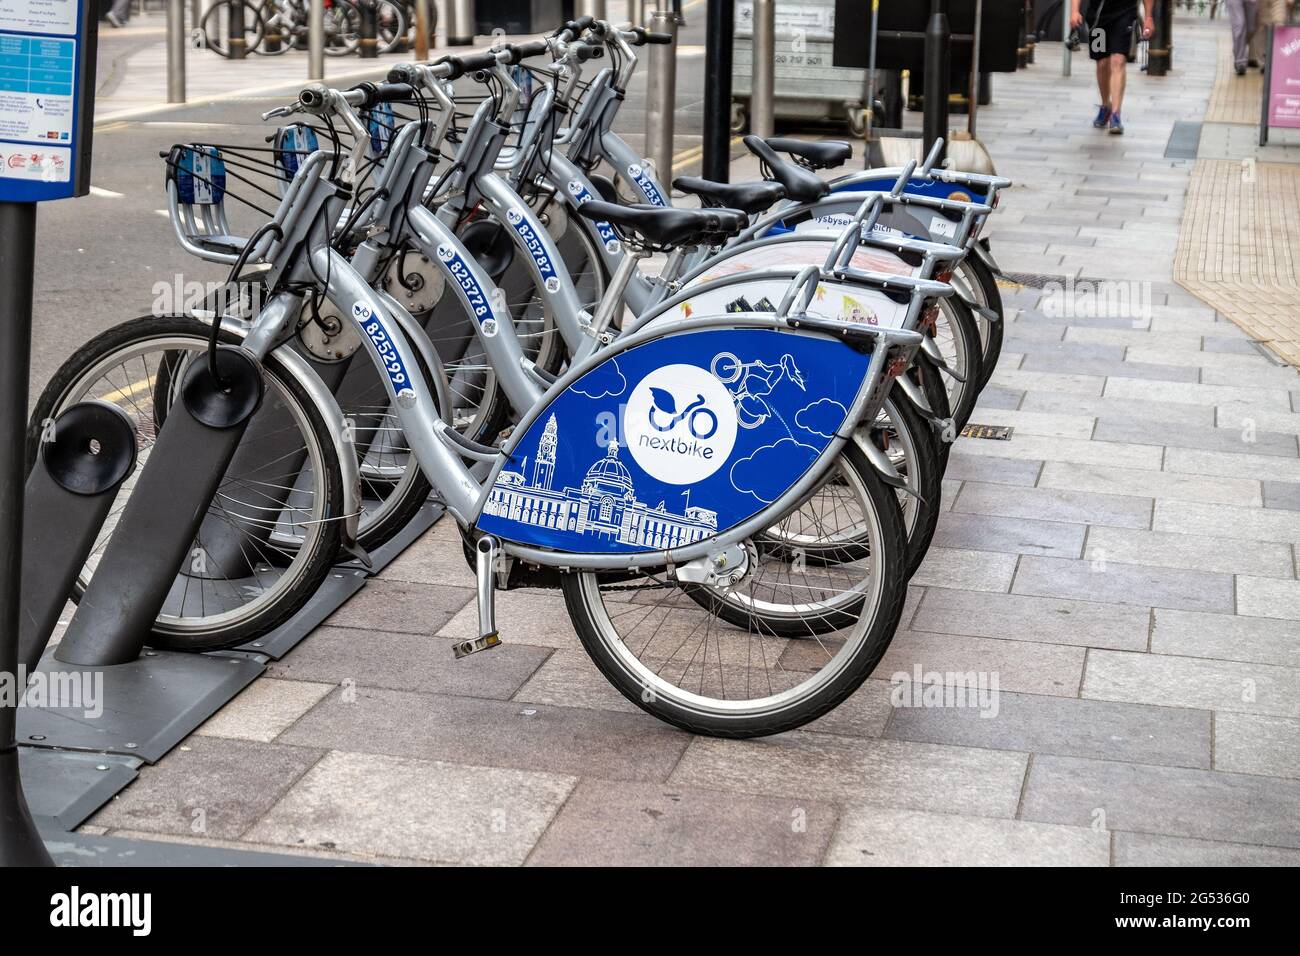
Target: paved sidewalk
1125, 565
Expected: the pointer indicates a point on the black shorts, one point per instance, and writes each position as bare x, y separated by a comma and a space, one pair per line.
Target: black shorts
1108, 27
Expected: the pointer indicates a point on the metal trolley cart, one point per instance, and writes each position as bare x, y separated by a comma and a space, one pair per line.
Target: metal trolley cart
808, 87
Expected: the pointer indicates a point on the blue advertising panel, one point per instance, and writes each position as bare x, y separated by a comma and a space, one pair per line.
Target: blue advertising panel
47, 74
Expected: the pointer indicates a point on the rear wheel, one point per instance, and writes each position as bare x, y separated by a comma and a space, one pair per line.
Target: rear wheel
684, 658
218, 21
981, 287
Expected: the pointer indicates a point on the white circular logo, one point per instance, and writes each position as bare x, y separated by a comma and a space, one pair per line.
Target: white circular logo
552, 285
515, 215
612, 246
489, 327
680, 424
634, 171
445, 251
575, 187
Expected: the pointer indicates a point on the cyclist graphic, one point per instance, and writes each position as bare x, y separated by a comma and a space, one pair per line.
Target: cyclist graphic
753, 382
700, 421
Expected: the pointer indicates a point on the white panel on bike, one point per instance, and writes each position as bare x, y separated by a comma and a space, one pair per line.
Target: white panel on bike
844, 301
798, 251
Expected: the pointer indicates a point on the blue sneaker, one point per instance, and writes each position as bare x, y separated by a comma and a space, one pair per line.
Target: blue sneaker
1116, 126
1103, 117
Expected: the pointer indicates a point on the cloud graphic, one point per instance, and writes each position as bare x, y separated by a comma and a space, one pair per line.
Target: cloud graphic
768, 471
605, 380
822, 417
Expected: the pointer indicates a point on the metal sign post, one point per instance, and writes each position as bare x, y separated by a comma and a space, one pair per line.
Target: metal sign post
937, 44
47, 73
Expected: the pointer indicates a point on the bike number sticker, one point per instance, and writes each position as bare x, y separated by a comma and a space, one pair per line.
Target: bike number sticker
607, 234
647, 186
519, 223
469, 286
940, 226
374, 328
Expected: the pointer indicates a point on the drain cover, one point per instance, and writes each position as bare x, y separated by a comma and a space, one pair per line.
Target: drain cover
991, 432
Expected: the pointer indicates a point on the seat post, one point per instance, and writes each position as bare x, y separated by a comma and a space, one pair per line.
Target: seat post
612, 302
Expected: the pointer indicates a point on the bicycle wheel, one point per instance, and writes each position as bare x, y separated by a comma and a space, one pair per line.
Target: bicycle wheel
342, 28
674, 657
957, 336
217, 22
390, 25
977, 282
913, 449
238, 582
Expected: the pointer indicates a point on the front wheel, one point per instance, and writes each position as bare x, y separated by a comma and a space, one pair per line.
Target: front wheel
342, 28
712, 663
222, 22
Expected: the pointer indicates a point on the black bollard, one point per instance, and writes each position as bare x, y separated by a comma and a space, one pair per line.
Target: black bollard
236, 43
87, 453
156, 529
718, 45
937, 48
369, 45
1160, 49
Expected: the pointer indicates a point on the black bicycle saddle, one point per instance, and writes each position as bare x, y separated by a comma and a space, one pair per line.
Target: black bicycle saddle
814, 155
666, 227
747, 197
800, 185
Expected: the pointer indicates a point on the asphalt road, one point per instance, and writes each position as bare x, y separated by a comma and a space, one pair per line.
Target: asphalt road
101, 258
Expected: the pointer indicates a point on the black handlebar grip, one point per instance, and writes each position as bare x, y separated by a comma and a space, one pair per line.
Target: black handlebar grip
460, 65
660, 38
575, 27
393, 92
585, 51
524, 51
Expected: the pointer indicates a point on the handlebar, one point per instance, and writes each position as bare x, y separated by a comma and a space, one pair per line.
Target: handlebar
390, 92
524, 51
575, 28
460, 65
644, 36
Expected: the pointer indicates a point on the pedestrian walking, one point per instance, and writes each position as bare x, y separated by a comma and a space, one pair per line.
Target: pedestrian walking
120, 13
1111, 29
1242, 15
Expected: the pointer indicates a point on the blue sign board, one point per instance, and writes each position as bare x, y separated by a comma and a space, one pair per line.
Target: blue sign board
47, 72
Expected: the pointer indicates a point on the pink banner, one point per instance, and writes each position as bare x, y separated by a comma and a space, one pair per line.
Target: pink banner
1284, 78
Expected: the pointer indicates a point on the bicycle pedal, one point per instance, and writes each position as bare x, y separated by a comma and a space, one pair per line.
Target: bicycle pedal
466, 648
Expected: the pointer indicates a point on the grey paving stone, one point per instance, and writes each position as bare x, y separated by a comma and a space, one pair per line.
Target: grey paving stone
1012, 535
1245, 418
402, 606
1036, 423
570, 679
1136, 411
1195, 394
992, 470
1052, 504
1015, 665
1087, 385
1065, 726
1110, 368
1045, 341
972, 570
1252, 524
493, 733
877, 836
416, 809
1124, 583
1229, 343
437, 558
533, 617
1268, 597
1166, 800
949, 490
1268, 376
1233, 686
891, 773
1000, 398
1148, 849
264, 709
1225, 637
1163, 485
1194, 552
619, 824
1020, 618
1258, 467
208, 787
1136, 334
1196, 436
408, 662
1282, 494
1249, 743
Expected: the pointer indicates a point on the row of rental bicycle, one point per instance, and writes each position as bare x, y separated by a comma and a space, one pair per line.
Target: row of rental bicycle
719, 431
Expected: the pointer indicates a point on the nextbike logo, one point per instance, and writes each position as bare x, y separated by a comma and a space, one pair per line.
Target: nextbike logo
680, 424
607, 234
535, 249
478, 301
646, 185
388, 354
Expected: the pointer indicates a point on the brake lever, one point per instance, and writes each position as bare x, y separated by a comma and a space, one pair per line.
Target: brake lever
280, 111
